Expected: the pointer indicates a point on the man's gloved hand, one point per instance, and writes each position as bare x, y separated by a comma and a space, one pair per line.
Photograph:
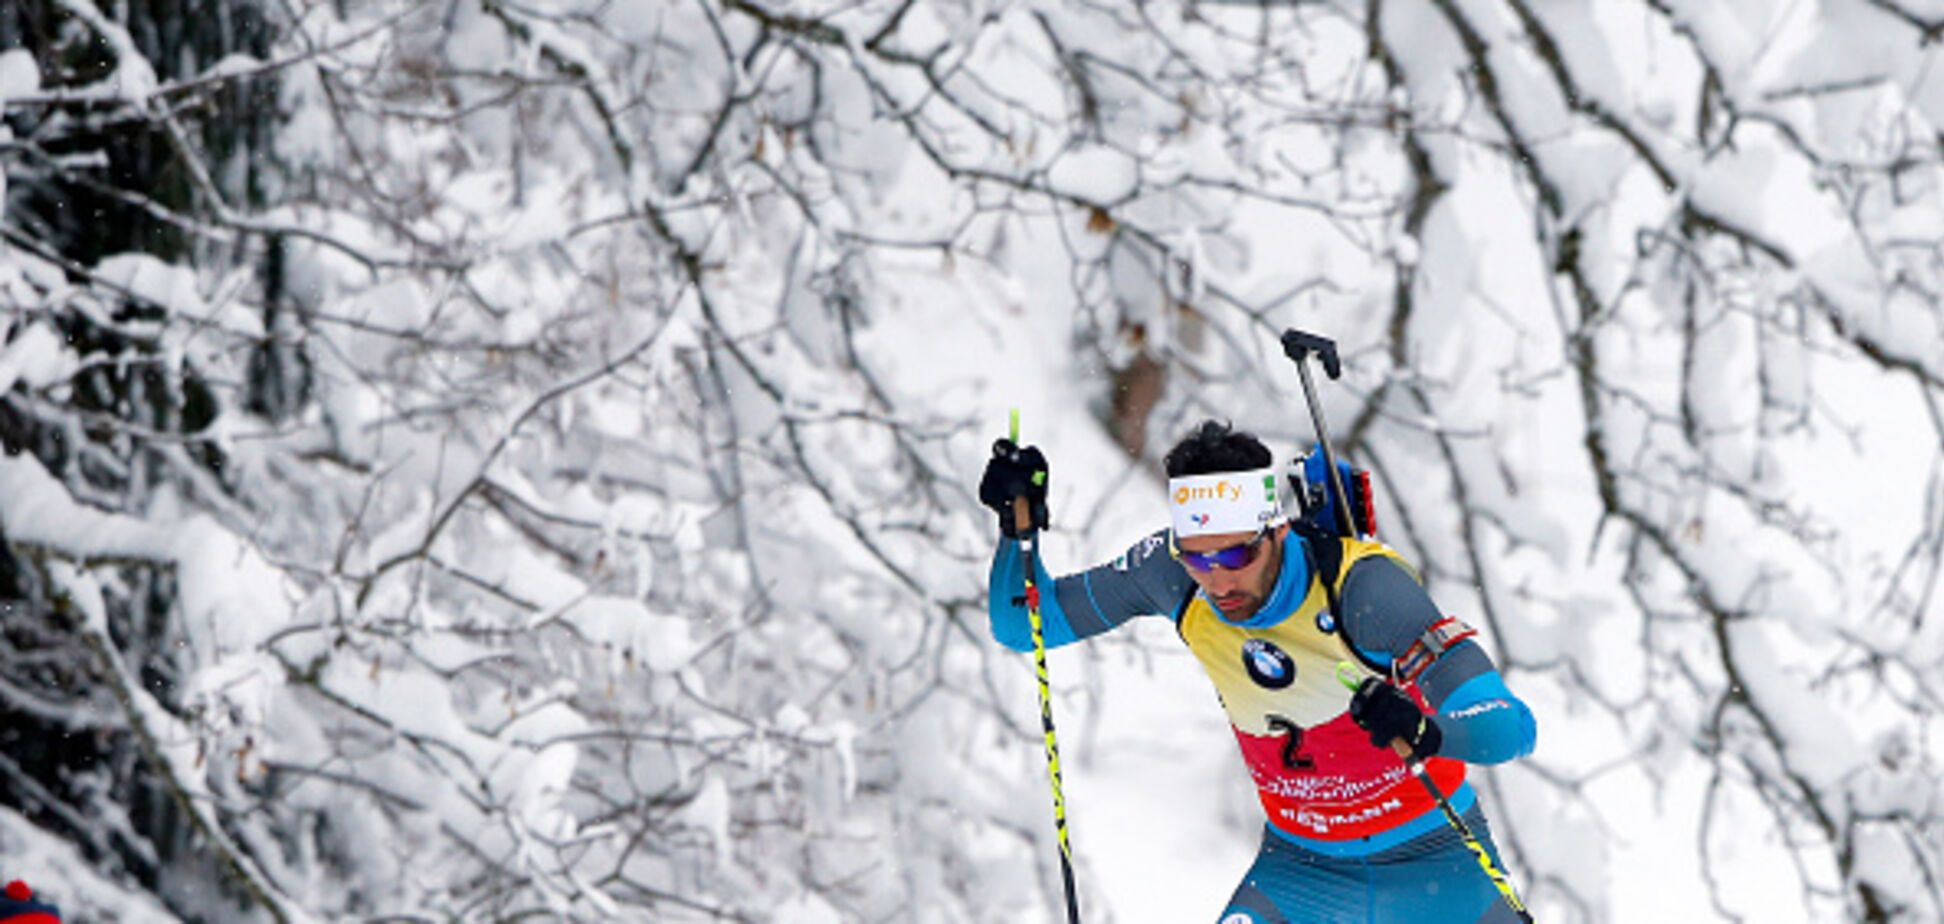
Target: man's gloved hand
1014, 471
1388, 714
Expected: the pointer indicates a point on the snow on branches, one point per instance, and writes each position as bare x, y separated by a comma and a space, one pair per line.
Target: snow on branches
493, 459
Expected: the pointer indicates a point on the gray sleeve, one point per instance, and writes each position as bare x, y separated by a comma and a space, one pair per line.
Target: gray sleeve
1385, 611
1144, 581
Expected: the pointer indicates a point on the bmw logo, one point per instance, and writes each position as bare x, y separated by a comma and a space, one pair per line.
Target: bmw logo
1268, 665
1325, 622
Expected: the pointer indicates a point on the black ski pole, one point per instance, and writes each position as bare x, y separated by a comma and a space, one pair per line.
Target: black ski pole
1500, 881
1298, 345
1029, 564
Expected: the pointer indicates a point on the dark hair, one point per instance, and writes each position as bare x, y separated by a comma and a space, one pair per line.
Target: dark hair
1215, 447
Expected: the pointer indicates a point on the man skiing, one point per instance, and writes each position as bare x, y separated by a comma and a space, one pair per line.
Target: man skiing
1274, 610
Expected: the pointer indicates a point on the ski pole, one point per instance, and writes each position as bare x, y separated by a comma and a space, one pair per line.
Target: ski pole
1298, 345
1029, 565
1346, 675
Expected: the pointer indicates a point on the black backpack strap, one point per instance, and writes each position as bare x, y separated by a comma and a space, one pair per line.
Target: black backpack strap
1324, 550
1325, 553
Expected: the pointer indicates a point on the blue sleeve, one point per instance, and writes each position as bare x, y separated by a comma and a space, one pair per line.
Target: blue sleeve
1483, 723
1145, 580
1006, 603
1385, 611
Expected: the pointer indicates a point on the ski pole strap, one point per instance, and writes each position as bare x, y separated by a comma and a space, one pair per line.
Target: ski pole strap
1429, 647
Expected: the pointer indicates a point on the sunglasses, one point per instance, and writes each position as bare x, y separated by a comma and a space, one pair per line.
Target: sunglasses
1232, 558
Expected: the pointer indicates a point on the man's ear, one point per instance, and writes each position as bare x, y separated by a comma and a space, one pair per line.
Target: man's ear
1281, 531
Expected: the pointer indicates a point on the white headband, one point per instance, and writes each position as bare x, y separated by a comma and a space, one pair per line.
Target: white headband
1228, 502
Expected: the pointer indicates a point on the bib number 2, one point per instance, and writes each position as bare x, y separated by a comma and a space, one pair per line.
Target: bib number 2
1292, 750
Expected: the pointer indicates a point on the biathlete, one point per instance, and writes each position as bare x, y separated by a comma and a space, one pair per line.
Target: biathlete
1274, 608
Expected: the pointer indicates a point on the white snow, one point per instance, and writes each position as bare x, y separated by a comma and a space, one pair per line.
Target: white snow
36, 357
1096, 174
231, 598
507, 620
133, 78
19, 74
61, 874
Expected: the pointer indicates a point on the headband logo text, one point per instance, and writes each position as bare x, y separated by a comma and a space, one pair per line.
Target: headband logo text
1220, 491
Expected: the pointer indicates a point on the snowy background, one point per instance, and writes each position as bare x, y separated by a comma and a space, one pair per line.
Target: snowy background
512, 459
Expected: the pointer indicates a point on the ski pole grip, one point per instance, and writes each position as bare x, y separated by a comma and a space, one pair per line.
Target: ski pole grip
1347, 675
1022, 509
1299, 344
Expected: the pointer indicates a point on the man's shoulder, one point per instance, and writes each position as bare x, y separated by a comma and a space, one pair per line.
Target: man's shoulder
1336, 555
1356, 550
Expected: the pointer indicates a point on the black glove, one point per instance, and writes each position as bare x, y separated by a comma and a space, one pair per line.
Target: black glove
1388, 714
1014, 472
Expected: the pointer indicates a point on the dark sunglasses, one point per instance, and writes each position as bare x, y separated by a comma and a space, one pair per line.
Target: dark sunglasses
1233, 558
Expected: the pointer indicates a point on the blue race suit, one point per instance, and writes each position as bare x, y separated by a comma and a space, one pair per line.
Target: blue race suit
1351, 836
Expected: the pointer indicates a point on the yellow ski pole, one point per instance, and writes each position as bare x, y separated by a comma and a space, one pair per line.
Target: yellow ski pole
1299, 346
1347, 675
1029, 565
